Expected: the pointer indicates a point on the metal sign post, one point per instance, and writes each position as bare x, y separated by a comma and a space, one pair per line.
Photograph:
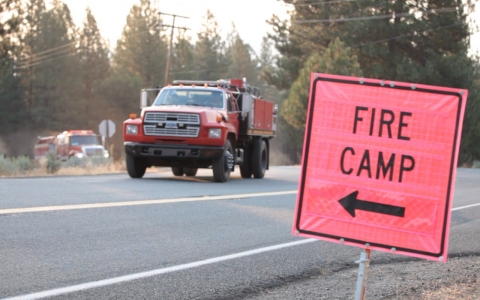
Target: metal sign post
364, 263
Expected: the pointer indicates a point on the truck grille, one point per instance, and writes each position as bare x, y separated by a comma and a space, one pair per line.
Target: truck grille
171, 124
165, 117
94, 152
151, 130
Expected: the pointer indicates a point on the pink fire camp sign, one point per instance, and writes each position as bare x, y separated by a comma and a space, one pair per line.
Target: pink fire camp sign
378, 166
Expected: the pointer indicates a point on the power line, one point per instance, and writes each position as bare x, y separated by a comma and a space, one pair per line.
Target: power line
427, 12
220, 67
24, 66
301, 3
390, 38
36, 59
405, 35
170, 48
49, 50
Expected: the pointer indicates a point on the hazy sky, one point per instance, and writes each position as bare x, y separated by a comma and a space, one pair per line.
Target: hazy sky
249, 16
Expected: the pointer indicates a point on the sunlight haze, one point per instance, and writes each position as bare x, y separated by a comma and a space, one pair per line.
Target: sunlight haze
249, 16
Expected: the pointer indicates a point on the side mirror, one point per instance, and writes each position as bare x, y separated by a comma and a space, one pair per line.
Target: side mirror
143, 99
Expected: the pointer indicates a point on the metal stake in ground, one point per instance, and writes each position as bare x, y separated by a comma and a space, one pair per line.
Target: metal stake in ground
363, 262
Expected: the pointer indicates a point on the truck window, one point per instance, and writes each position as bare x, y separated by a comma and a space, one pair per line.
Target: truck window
192, 96
77, 140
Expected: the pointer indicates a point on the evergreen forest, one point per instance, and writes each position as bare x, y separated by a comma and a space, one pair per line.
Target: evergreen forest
56, 75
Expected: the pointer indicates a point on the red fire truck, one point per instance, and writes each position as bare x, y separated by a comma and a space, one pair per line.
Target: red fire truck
201, 124
71, 143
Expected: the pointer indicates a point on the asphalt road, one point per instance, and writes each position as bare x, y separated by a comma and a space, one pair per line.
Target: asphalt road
163, 237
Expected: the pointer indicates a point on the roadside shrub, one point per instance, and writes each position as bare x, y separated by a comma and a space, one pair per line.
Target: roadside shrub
6, 166
75, 162
23, 164
14, 166
53, 164
101, 161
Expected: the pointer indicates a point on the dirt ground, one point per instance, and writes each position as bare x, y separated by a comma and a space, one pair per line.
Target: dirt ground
408, 279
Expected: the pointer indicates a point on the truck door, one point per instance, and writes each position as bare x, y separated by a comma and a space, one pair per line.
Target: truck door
233, 111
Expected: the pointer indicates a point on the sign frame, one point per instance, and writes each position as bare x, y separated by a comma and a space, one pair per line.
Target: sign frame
458, 94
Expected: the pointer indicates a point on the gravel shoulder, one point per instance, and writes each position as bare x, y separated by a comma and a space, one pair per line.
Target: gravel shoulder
388, 279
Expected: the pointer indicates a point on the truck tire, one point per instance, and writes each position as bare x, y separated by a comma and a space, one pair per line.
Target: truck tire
259, 158
177, 171
190, 171
135, 166
223, 165
246, 166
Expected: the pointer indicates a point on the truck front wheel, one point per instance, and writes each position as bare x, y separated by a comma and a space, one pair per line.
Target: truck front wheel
190, 171
259, 158
246, 166
135, 166
224, 164
177, 171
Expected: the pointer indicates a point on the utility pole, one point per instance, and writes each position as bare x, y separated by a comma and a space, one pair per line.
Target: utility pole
170, 50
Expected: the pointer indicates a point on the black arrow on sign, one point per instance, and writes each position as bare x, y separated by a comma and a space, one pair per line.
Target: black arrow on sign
351, 203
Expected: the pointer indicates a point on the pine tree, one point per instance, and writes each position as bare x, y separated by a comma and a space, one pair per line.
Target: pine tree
95, 68
337, 59
414, 41
209, 59
51, 64
12, 107
141, 51
241, 58
183, 59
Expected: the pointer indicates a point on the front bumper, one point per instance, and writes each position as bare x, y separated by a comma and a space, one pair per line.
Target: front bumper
163, 155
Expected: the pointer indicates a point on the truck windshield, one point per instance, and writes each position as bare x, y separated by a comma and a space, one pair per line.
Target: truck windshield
76, 140
194, 96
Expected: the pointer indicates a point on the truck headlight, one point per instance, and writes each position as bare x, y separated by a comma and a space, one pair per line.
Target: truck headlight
215, 133
79, 155
105, 154
132, 129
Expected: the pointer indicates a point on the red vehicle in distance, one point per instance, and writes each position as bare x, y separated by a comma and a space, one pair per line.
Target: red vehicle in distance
72, 143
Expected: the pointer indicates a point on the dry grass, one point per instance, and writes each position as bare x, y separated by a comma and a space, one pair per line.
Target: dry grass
462, 291
88, 169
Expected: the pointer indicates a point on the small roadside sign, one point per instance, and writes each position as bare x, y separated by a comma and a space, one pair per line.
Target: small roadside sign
378, 164
106, 128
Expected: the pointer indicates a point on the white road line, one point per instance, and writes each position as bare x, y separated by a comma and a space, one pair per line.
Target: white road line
115, 280
466, 206
141, 202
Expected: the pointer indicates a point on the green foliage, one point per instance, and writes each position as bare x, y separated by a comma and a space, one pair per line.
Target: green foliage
337, 59
23, 163
209, 60
12, 107
15, 166
141, 51
90, 162
53, 164
74, 162
101, 161
95, 68
49, 67
7, 167
183, 64
240, 62
61, 77
390, 42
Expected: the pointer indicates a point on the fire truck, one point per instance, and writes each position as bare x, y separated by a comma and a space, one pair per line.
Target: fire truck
201, 124
71, 143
